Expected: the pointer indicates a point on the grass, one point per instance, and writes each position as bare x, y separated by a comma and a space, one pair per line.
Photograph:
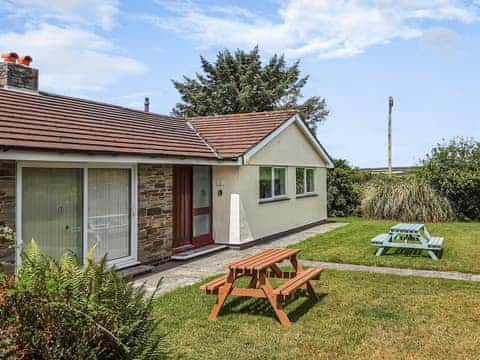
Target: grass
360, 315
351, 244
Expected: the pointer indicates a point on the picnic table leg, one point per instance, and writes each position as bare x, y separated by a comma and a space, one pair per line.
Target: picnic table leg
380, 251
311, 293
223, 293
276, 270
296, 264
274, 300
254, 281
432, 255
298, 268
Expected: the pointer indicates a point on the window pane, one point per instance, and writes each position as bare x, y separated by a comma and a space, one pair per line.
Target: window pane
310, 180
201, 224
279, 181
201, 187
109, 212
265, 182
300, 180
52, 210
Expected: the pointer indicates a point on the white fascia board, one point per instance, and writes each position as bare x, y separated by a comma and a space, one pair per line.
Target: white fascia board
303, 127
22, 155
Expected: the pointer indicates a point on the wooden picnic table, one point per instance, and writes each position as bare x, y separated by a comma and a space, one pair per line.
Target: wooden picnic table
261, 267
409, 236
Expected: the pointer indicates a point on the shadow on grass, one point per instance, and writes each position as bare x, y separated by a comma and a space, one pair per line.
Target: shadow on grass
414, 253
262, 307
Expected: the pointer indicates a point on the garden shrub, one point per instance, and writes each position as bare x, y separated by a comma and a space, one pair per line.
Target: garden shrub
453, 169
60, 310
7, 249
409, 198
343, 192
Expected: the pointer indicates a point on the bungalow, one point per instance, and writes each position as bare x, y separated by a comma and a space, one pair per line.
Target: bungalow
143, 186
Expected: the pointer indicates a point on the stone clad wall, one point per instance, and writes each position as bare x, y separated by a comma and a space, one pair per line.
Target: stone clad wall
7, 212
155, 213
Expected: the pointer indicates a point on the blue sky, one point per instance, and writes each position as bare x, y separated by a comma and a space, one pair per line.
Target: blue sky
425, 53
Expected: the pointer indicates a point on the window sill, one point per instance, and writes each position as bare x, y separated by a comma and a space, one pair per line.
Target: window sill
299, 196
280, 198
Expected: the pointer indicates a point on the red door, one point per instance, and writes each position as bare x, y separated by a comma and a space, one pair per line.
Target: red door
182, 207
192, 195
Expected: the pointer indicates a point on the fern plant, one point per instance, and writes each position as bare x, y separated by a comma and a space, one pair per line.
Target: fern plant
61, 310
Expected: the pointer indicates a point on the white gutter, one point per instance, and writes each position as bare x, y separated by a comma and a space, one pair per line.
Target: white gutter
25, 155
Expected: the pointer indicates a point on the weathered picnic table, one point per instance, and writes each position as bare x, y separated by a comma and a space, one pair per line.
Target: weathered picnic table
261, 267
409, 236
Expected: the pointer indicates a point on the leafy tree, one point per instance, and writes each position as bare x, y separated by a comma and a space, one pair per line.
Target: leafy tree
239, 83
453, 169
343, 189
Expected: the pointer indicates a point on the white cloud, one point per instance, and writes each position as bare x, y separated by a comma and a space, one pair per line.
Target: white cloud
326, 28
441, 40
82, 12
71, 59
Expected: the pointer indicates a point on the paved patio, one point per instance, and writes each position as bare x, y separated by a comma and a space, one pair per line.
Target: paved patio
176, 274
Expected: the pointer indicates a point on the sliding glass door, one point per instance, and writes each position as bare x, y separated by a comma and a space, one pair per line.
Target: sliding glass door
74, 209
52, 210
109, 212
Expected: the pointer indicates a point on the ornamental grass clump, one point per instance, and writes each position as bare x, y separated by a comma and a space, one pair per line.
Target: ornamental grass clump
63, 310
405, 199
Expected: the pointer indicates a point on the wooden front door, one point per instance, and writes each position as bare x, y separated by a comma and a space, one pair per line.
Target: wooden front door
192, 194
182, 207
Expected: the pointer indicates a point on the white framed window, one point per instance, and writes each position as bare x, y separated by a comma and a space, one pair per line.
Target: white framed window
305, 181
272, 182
73, 206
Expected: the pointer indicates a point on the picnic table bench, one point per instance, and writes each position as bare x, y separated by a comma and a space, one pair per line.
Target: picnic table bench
261, 267
409, 236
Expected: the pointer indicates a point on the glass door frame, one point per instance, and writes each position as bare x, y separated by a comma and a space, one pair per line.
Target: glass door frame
205, 239
130, 260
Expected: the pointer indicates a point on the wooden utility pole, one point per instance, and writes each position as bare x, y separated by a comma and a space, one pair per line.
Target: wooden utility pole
390, 107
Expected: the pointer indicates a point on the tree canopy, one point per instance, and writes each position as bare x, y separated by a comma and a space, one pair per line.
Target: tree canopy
343, 184
453, 169
239, 83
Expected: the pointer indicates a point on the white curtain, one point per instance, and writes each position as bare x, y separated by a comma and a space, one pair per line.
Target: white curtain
52, 209
109, 212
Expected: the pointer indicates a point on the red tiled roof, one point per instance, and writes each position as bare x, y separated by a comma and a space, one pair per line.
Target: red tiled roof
53, 122
233, 135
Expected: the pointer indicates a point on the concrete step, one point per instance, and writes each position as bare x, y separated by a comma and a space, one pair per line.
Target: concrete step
193, 253
136, 271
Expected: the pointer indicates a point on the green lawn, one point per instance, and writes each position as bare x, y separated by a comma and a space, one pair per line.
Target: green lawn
351, 244
360, 316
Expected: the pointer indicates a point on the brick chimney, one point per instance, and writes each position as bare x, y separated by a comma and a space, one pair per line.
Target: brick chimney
17, 76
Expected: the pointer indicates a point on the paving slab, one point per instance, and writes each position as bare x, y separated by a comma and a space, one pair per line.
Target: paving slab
453, 275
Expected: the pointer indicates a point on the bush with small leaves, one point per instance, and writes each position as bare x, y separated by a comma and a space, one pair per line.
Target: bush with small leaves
453, 169
343, 189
